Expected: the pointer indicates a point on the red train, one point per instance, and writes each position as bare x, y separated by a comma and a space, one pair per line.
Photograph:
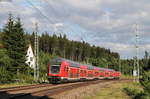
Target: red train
63, 70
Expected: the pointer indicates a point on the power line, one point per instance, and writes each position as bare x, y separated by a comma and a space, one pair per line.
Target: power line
40, 11
50, 22
53, 9
55, 12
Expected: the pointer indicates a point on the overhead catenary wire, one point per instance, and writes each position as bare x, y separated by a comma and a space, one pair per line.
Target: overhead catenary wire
57, 14
38, 9
49, 21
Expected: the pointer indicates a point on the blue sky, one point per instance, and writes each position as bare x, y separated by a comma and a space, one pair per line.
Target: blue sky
105, 23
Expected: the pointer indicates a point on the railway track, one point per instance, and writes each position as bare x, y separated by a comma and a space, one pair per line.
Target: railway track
47, 90
22, 87
9, 92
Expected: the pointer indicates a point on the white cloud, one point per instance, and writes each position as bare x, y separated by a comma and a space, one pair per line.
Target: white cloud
107, 23
84, 4
58, 26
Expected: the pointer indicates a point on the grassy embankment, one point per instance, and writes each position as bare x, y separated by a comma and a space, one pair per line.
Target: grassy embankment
13, 85
115, 91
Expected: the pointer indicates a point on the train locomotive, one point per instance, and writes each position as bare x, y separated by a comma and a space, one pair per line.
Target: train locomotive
63, 70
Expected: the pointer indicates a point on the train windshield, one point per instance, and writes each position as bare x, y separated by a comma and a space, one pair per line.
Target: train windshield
55, 69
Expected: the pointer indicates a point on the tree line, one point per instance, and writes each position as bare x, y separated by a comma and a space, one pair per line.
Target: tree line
14, 42
59, 45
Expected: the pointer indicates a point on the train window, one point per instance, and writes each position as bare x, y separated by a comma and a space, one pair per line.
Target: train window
101, 75
55, 69
66, 69
96, 73
90, 75
74, 65
77, 74
81, 71
70, 75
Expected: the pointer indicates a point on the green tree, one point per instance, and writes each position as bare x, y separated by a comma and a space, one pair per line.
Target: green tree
5, 63
145, 82
43, 62
146, 60
15, 42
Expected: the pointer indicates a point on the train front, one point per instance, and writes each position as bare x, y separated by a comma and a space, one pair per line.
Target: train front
54, 67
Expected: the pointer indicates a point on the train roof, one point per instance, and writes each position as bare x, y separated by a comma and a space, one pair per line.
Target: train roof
72, 63
76, 64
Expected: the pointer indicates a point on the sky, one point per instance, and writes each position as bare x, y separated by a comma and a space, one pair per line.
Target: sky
105, 23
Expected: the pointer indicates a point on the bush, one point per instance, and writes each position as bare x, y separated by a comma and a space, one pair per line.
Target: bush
132, 91
5, 76
137, 93
142, 95
146, 81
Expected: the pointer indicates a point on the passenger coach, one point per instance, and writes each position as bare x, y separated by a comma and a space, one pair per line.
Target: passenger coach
63, 70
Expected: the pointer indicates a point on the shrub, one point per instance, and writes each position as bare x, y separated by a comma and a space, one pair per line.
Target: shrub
5, 76
146, 81
142, 95
133, 92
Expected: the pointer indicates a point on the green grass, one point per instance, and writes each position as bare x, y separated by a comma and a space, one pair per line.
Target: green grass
13, 85
114, 91
126, 77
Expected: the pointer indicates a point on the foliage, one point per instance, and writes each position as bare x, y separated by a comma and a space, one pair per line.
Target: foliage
5, 61
146, 82
77, 51
133, 92
43, 62
14, 42
142, 95
5, 75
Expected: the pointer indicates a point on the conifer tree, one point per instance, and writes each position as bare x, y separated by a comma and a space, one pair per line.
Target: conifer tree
20, 45
8, 31
15, 43
7, 41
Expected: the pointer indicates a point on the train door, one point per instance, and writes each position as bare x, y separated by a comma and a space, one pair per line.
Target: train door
77, 73
48, 69
101, 74
96, 74
111, 74
90, 74
106, 74
65, 69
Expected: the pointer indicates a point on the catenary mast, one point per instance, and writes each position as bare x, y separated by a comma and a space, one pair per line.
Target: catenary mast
136, 72
36, 53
